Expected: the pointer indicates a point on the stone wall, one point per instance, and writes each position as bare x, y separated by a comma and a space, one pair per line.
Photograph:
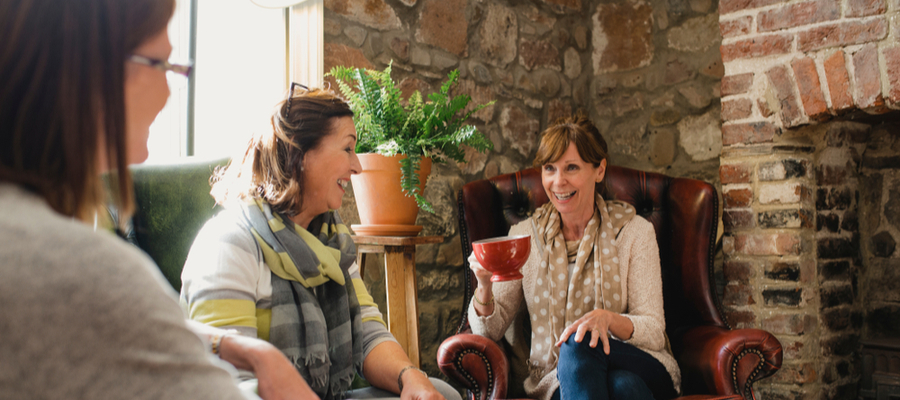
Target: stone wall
808, 250
879, 204
646, 71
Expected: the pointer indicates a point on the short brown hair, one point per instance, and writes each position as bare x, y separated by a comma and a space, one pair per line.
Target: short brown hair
62, 65
271, 167
588, 141
576, 129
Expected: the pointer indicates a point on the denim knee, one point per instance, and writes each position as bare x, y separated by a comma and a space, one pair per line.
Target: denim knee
627, 385
573, 354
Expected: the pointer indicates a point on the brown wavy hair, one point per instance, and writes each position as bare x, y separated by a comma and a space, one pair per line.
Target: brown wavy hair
271, 166
62, 64
576, 129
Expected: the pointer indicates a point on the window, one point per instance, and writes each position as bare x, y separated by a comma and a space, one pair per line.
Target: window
240, 73
168, 134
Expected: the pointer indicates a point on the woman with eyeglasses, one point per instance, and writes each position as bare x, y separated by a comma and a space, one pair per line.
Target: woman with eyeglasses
280, 265
84, 314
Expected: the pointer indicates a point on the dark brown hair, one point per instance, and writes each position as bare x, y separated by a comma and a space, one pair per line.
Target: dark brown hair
578, 129
62, 64
271, 167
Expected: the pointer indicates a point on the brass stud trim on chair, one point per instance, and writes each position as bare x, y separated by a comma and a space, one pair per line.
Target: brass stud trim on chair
717, 301
470, 378
467, 249
750, 379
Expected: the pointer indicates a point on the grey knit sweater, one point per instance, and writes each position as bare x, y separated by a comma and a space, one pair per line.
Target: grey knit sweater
84, 315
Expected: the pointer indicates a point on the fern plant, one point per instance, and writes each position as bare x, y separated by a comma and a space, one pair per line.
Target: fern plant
422, 128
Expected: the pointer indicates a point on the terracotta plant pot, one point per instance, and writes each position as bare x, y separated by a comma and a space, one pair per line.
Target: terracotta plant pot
383, 208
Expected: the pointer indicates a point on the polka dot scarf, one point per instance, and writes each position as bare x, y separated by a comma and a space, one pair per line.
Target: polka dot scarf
594, 283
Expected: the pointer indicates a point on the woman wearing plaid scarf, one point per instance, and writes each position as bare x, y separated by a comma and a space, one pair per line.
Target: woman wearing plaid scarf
278, 263
592, 284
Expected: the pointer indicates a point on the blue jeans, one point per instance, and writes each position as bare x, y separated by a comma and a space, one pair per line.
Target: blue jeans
626, 373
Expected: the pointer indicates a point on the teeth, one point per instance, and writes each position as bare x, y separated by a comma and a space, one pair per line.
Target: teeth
343, 183
564, 196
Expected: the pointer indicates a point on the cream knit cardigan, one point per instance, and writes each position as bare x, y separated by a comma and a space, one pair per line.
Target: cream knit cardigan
639, 265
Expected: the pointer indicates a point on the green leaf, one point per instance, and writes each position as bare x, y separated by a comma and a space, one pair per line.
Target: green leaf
435, 127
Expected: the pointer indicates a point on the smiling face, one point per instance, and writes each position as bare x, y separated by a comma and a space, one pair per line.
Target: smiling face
327, 169
569, 183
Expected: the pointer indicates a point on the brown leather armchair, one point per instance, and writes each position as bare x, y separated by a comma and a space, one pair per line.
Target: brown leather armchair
716, 361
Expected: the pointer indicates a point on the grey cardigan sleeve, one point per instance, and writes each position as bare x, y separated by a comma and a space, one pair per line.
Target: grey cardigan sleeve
374, 332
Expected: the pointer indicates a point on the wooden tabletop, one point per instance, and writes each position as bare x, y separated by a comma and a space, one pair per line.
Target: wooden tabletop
396, 240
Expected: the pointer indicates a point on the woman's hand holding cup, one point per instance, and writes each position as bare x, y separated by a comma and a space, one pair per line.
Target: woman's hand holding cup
482, 275
483, 297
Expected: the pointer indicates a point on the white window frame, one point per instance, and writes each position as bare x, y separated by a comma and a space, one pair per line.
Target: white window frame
304, 56
306, 43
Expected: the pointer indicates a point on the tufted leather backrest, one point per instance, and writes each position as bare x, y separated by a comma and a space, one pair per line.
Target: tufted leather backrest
683, 212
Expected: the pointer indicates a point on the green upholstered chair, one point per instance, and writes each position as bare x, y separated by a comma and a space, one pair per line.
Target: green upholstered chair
172, 204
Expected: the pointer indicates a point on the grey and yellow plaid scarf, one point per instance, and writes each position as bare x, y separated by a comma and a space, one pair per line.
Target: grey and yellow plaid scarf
315, 312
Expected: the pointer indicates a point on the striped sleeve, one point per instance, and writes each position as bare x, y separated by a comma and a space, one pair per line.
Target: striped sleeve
369, 309
374, 328
221, 276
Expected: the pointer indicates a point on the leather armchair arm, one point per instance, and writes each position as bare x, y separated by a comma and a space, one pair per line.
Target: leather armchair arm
723, 361
476, 362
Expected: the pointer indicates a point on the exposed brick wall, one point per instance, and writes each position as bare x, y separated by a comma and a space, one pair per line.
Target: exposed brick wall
821, 57
791, 250
792, 176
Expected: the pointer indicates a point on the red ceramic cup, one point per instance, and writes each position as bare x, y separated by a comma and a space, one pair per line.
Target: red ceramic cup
503, 256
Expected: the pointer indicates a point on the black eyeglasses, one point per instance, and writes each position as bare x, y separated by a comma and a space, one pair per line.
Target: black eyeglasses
162, 65
294, 85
